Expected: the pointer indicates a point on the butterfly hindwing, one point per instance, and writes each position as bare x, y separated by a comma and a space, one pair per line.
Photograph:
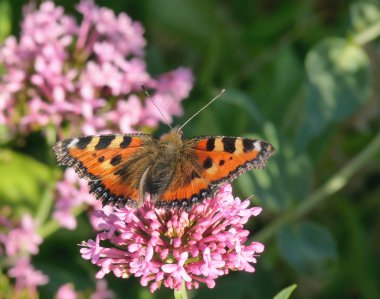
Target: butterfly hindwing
113, 164
187, 185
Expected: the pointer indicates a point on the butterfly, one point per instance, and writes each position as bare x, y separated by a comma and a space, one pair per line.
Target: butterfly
177, 173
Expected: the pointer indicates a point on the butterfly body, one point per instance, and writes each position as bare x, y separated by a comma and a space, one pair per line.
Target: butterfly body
176, 172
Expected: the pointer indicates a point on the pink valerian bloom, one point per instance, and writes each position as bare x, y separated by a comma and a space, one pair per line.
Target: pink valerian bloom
19, 243
171, 247
121, 31
66, 291
71, 193
102, 292
22, 240
86, 75
128, 113
171, 88
26, 276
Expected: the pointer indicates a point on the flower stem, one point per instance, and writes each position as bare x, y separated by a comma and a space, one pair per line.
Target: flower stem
371, 33
52, 225
337, 182
46, 204
182, 293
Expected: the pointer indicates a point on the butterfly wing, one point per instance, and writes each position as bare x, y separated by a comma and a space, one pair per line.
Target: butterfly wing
187, 186
223, 159
113, 164
211, 161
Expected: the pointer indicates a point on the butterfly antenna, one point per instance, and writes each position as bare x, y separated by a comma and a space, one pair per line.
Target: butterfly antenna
203, 108
151, 99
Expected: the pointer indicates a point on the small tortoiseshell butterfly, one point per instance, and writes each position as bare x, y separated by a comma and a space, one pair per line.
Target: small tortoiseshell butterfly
176, 172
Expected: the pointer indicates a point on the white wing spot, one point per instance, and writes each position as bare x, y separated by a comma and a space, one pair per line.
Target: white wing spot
73, 142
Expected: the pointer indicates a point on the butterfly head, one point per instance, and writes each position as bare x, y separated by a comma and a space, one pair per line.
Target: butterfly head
173, 139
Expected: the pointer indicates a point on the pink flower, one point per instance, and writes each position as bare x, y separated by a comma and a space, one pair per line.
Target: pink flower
177, 271
71, 192
22, 240
101, 291
121, 31
212, 264
171, 247
26, 276
86, 76
66, 291
127, 112
171, 89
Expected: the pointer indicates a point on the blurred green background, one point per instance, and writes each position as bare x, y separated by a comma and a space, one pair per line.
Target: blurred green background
302, 75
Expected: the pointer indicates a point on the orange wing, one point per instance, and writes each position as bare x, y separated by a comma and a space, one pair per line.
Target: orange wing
113, 164
187, 186
223, 159
209, 162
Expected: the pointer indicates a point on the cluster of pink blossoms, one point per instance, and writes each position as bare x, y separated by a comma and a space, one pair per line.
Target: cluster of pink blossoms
19, 243
67, 291
71, 193
171, 247
84, 77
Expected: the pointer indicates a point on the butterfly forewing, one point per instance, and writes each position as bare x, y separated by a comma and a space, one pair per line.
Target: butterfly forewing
223, 159
113, 164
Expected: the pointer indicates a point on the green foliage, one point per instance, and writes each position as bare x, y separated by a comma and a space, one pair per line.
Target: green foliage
308, 247
363, 15
5, 21
339, 83
302, 75
285, 293
23, 179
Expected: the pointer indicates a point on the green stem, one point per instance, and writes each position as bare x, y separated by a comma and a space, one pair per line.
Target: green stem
52, 225
182, 293
337, 182
369, 34
46, 204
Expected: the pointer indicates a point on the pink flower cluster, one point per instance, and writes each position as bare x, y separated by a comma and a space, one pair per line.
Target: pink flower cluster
67, 291
71, 193
83, 79
19, 243
171, 247
86, 77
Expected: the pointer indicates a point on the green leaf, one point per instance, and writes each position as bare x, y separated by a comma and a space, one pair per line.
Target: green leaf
288, 75
189, 19
339, 83
5, 287
285, 180
285, 293
363, 15
23, 179
244, 101
5, 19
308, 247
